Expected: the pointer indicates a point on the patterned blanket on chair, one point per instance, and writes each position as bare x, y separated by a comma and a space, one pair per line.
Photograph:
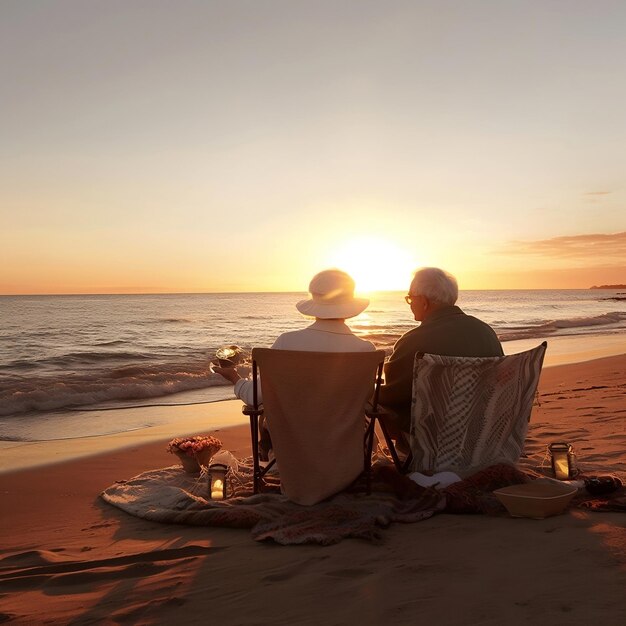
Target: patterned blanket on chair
469, 413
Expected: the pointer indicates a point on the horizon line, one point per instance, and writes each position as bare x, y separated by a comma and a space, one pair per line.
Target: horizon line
205, 293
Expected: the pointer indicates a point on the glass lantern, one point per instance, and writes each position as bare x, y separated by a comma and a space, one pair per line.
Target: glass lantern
217, 489
563, 460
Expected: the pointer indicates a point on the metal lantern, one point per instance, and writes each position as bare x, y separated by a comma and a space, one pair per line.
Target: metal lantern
217, 481
563, 460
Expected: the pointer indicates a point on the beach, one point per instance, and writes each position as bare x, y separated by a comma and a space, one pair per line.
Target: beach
70, 558
183, 178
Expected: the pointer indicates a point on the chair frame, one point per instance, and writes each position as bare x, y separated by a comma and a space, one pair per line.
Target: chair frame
401, 466
372, 413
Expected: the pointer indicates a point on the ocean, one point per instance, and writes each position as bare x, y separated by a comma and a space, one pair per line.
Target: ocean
82, 352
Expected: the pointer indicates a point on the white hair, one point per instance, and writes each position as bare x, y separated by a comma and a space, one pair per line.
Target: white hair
436, 285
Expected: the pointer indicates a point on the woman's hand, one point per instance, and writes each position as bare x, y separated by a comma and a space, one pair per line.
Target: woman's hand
229, 373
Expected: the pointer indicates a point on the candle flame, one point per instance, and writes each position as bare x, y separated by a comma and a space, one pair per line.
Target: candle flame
217, 490
561, 468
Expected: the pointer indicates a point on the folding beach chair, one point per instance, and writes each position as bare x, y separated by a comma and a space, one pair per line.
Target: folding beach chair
316, 409
468, 413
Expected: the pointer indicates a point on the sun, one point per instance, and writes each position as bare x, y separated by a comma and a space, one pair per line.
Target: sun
375, 264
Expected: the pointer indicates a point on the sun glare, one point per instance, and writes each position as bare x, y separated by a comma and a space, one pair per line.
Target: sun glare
375, 264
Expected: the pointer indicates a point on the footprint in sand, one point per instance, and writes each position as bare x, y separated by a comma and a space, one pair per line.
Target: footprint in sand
31, 558
350, 573
292, 571
26, 569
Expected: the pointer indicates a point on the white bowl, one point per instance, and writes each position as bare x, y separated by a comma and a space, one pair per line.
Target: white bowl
538, 499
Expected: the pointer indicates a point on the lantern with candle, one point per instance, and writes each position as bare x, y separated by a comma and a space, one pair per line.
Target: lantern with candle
217, 474
563, 460
217, 481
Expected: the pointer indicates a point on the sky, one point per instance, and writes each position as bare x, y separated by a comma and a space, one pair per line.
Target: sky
197, 145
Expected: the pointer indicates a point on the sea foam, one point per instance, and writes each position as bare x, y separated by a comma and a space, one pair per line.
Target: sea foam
49, 393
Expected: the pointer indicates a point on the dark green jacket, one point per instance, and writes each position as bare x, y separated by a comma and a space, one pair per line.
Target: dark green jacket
448, 332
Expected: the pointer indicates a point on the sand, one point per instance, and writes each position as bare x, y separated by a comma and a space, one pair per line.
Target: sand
66, 557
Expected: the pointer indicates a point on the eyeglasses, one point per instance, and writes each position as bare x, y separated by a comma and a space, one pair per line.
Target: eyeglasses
410, 298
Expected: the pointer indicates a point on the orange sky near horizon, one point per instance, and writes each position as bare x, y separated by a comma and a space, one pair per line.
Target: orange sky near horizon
370, 268
208, 147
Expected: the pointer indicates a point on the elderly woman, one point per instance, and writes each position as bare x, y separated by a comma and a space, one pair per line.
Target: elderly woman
331, 302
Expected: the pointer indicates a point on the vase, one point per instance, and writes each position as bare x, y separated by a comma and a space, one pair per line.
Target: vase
192, 464
204, 456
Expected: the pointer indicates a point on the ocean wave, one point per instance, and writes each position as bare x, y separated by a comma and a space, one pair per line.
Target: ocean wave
21, 364
539, 329
164, 320
87, 357
73, 353
382, 341
542, 328
556, 327
49, 393
386, 328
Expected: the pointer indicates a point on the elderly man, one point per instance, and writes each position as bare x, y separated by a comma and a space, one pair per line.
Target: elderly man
444, 330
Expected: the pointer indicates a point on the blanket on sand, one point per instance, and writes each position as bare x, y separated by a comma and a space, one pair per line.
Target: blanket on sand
168, 495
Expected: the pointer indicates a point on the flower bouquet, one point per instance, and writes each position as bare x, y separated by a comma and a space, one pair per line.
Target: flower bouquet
194, 452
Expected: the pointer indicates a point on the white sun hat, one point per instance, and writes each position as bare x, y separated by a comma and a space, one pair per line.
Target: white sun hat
332, 297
